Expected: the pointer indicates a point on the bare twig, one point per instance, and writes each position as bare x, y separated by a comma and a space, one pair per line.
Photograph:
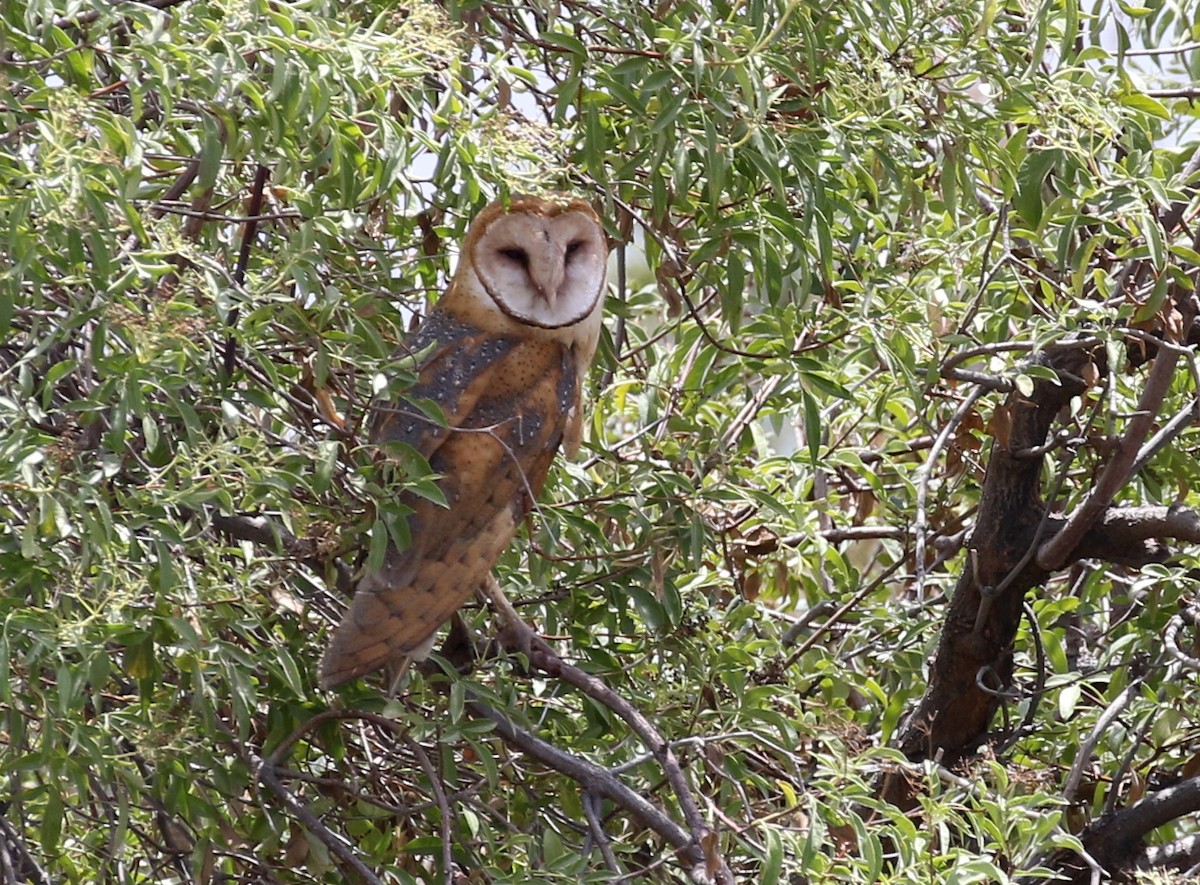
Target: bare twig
981, 379
544, 658
439, 796
924, 473
177, 189
30, 871
986, 275
1084, 758
230, 219
1164, 50
1039, 688
1134, 742
268, 778
591, 777
596, 826
1185, 417
747, 415
841, 613
971, 353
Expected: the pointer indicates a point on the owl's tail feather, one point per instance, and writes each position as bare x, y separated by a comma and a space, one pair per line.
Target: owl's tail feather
374, 633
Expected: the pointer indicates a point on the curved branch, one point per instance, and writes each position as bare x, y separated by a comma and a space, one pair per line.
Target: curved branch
267, 777
700, 849
1083, 759
1113, 840
10, 838
591, 777
1132, 536
1182, 854
1055, 553
1147, 815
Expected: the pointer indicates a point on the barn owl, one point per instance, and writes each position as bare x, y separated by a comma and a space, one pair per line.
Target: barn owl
507, 344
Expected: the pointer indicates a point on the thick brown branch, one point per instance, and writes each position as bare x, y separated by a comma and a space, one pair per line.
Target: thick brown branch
1131, 535
1114, 841
1056, 552
1182, 854
974, 656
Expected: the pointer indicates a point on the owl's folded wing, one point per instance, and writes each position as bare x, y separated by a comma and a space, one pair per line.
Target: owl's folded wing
398, 607
452, 376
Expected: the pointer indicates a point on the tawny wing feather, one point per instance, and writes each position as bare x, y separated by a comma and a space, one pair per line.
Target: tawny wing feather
506, 400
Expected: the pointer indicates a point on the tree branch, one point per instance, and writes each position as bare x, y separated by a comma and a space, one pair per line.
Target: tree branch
1113, 840
86, 18
1131, 535
267, 532
592, 778
265, 771
29, 869
519, 635
439, 796
1056, 552
1185, 417
1182, 854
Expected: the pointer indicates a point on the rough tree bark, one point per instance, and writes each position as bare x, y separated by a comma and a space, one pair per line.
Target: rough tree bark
1019, 541
975, 653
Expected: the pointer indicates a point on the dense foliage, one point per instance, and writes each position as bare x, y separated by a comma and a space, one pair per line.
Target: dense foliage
852, 244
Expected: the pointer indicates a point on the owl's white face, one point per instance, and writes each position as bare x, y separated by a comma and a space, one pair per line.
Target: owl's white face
544, 270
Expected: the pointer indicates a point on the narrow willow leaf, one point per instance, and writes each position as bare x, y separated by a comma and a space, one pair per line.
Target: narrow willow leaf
1030, 178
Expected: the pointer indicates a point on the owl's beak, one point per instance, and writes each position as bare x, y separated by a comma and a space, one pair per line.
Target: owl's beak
548, 285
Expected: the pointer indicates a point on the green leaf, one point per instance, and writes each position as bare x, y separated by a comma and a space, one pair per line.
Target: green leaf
1030, 178
1068, 698
52, 823
773, 863
378, 545
1140, 102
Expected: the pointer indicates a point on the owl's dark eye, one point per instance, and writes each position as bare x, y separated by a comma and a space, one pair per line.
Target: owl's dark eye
573, 247
517, 254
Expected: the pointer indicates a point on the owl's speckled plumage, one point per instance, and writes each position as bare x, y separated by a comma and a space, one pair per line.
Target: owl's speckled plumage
508, 345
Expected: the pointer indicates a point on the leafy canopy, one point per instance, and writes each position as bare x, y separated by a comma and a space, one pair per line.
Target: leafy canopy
814, 207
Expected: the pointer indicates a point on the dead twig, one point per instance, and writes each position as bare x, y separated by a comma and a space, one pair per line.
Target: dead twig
439, 796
